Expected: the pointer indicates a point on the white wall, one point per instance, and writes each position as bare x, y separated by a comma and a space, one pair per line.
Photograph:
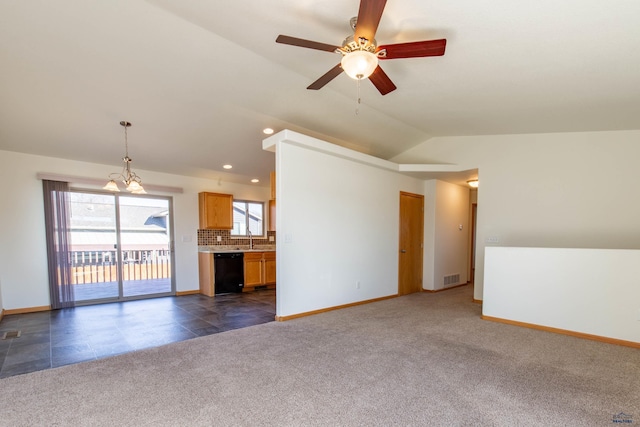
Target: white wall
429, 253
337, 224
591, 291
23, 257
570, 190
447, 252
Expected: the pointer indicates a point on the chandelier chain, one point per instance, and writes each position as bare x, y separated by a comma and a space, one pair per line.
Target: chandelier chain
126, 142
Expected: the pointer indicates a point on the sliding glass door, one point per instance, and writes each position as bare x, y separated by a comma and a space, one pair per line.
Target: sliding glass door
145, 246
120, 246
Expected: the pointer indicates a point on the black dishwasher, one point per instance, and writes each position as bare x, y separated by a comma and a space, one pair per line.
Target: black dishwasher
229, 272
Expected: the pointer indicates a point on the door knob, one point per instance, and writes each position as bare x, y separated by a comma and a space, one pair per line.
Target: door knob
403, 251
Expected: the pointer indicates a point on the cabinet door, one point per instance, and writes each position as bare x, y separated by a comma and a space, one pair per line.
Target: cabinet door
205, 268
272, 215
253, 269
216, 211
273, 184
269, 268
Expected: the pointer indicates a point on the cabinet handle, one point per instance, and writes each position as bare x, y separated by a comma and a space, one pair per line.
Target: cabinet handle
403, 251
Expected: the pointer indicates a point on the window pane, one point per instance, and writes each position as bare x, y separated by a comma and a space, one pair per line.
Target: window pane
255, 218
239, 219
247, 216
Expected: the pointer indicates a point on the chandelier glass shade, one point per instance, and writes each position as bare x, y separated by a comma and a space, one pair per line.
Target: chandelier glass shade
132, 182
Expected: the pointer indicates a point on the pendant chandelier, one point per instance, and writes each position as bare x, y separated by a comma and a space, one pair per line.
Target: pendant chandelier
132, 182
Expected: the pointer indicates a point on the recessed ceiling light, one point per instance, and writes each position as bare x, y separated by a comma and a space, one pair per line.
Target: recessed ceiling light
227, 166
254, 180
267, 131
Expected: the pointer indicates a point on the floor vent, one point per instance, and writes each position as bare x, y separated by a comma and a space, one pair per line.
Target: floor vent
11, 334
452, 279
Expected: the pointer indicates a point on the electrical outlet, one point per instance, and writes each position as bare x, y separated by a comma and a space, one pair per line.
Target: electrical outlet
218, 238
639, 315
271, 239
492, 239
357, 284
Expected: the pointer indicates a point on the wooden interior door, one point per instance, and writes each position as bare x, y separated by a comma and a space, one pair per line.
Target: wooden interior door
411, 239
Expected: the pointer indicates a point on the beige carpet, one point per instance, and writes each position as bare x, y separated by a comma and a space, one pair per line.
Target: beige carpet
422, 359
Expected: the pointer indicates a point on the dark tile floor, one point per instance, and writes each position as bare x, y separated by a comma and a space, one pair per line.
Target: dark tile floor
61, 337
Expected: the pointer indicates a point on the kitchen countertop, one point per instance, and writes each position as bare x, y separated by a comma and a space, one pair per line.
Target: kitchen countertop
236, 248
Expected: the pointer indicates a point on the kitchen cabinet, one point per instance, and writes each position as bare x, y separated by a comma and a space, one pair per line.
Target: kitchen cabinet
272, 180
216, 210
272, 203
272, 215
205, 273
259, 269
269, 268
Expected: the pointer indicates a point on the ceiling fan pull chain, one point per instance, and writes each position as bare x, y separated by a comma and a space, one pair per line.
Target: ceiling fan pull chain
358, 98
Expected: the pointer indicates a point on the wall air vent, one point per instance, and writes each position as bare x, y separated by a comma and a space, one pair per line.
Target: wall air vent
452, 279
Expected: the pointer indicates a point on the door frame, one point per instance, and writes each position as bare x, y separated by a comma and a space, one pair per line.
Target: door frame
120, 297
472, 242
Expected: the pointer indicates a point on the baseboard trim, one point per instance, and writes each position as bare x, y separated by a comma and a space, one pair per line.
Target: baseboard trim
1, 314
183, 293
337, 307
27, 310
433, 291
564, 332
477, 301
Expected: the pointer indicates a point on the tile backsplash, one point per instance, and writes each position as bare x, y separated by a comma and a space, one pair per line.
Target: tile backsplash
208, 237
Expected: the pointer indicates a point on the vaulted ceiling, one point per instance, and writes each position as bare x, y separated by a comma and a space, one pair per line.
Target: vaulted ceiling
199, 79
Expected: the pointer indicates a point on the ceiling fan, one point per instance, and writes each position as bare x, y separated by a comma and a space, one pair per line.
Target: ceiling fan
360, 52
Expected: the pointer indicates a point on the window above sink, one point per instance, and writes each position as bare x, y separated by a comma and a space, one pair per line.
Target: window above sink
248, 216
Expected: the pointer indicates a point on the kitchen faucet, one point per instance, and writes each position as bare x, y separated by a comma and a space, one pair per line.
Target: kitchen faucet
250, 239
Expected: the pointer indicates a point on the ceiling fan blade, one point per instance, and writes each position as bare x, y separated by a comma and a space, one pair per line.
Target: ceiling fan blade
414, 49
294, 41
326, 78
368, 18
381, 81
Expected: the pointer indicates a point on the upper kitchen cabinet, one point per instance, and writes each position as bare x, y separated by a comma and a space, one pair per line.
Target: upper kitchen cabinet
272, 215
272, 203
216, 211
273, 185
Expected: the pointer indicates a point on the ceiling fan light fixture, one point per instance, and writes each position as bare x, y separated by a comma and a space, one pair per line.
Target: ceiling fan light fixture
359, 64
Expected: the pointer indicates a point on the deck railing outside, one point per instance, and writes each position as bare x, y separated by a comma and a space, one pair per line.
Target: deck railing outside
100, 266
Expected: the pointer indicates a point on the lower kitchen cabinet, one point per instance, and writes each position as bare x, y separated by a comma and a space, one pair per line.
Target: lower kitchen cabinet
205, 272
259, 269
269, 268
